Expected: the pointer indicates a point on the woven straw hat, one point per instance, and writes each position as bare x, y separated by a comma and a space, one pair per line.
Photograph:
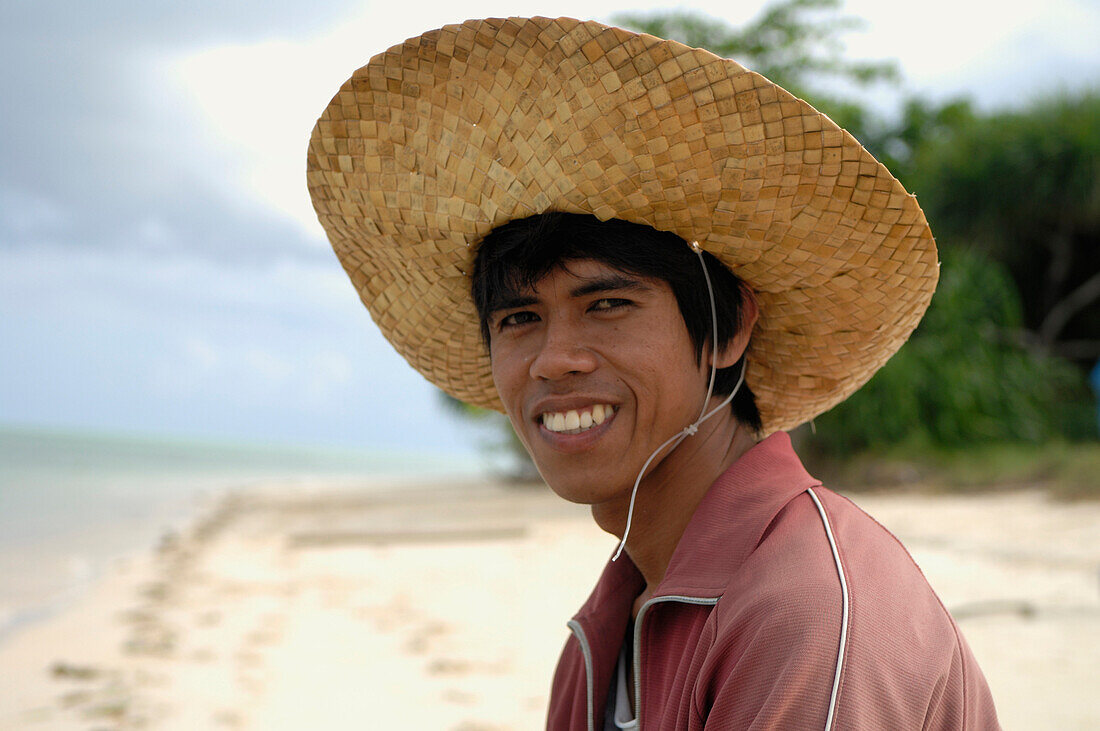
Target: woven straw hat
437, 141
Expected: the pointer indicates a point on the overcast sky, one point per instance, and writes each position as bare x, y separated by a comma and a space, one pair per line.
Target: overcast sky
161, 269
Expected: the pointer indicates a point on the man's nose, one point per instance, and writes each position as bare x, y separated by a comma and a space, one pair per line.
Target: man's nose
562, 353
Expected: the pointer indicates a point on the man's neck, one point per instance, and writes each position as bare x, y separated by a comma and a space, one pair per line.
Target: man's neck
669, 495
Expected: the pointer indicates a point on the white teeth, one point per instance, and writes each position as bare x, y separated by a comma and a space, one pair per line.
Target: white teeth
574, 422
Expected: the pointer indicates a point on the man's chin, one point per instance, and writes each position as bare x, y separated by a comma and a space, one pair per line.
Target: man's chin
584, 487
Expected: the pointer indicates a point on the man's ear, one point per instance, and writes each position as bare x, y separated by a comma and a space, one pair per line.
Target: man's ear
735, 348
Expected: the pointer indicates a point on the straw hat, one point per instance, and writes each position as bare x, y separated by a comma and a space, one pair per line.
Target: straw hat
435, 142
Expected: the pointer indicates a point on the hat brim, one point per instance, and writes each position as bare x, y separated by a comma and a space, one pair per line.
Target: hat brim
435, 142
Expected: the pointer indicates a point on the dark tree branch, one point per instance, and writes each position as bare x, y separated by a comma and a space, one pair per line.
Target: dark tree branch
1067, 307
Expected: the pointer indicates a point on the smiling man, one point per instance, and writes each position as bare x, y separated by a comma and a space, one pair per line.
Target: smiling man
671, 261
587, 324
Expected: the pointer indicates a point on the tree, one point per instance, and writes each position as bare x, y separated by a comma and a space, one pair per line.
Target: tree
1024, 187
896, 143
963, 379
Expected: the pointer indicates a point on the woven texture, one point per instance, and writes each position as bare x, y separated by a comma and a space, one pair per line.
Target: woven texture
435, 142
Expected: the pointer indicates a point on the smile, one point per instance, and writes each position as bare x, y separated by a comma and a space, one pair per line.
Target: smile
577, 420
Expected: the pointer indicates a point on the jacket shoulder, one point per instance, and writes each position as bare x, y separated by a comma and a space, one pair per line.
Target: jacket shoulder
827, 584
903, 643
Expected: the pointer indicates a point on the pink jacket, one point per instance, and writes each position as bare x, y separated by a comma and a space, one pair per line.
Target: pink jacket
784, 607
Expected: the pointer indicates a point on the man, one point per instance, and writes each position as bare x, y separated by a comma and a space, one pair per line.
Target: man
651, 233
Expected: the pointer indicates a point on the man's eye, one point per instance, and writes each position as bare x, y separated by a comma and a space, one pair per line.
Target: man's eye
516, 318
608, 303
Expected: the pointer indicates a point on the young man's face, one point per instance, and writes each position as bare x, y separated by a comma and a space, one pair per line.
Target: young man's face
596, 369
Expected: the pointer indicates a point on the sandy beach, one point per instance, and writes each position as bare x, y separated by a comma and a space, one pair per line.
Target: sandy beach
420, 607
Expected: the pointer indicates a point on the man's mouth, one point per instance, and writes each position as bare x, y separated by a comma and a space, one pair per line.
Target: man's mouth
576, 421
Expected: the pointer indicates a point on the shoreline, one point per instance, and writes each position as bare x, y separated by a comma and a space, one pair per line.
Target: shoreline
314, 604
68, 567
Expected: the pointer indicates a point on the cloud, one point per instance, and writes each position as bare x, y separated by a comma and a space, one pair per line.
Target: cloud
97, 136
26, 216
199, 355
279, 349
254, 374
160, 22
1004, 58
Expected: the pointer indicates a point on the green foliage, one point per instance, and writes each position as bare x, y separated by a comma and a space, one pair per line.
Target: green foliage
896, 143
1066, 470
1024, 187
963, 379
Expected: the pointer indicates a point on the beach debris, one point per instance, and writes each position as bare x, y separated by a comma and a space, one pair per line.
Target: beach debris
970, 610
448, 666
74, 672
150, 638
209, 618
415, 536
228, 717
169, 542
459, 697
422, 637
204, 655
155, 590
114, 709
74, 698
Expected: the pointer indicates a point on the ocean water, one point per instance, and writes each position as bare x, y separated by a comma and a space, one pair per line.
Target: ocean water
71, 503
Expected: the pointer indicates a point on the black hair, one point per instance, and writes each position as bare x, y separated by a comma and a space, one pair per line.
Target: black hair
513, 257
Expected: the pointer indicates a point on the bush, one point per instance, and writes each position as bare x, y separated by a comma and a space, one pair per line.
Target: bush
964, 378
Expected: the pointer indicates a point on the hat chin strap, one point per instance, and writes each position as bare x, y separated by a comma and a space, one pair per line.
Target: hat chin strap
693, 427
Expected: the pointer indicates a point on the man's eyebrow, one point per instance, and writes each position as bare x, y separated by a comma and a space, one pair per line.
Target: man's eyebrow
606, 284
513, 301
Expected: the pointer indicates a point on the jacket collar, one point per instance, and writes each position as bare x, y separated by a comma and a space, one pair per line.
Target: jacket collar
726, 527
732, 517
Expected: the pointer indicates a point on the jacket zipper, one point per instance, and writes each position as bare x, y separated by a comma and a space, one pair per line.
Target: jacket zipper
699, 601
586, 650
711, 601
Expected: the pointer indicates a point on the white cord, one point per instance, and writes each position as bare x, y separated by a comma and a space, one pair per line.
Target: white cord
692, 428
713, 331
830, 719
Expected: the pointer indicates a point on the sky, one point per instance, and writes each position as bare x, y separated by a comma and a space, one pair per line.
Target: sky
161, 268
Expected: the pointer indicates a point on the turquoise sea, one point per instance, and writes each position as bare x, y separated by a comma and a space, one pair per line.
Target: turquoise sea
71, 503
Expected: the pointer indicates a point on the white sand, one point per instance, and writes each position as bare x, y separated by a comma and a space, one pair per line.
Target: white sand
440, 609
1021, 575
